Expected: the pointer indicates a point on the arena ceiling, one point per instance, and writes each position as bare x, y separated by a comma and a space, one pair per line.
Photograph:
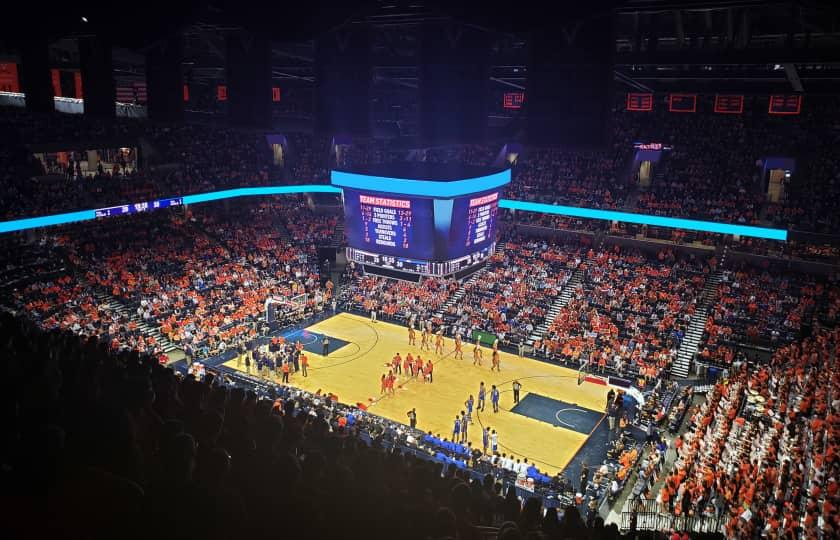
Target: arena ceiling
660, 45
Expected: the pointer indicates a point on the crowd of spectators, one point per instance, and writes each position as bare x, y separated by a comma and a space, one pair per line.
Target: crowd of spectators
397, 300
572, 177
204, 286
629, 313
758, 307
511, 297
761, 452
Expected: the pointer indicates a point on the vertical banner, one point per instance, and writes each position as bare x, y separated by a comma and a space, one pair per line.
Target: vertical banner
9, 81
186, 93
55, 75
221, 93
275, 94
77, 81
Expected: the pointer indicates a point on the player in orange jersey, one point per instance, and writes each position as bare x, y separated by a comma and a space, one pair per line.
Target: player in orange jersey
477, 354
428, 371
496, 364
425, 339
408, 365
409, 369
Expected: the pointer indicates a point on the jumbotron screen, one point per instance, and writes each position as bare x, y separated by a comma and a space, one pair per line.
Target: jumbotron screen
390, 224
419, 227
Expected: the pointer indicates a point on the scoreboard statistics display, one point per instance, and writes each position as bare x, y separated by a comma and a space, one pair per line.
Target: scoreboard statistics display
419, 228
473, 223
390, 224
419, 218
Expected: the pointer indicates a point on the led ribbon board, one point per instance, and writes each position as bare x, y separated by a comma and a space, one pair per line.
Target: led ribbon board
647, 219
589, 213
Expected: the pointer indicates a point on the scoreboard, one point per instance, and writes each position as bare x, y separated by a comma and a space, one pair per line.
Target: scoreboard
390, 225
474, 221
418, 228
421, 227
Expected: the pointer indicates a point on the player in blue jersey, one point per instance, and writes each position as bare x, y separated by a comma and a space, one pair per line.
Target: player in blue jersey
494, 398
456, 429
482, 391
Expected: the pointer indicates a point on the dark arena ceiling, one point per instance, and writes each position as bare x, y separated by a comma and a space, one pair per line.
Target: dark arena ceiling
659, 45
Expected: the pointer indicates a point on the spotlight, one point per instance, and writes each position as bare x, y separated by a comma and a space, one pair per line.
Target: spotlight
84, 19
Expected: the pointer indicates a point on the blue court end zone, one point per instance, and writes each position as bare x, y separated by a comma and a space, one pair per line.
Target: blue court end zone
313, 341
558, 413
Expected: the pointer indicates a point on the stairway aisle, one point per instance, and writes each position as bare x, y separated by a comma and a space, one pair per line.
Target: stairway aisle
457, 295
145, 328
561, 302
694, 333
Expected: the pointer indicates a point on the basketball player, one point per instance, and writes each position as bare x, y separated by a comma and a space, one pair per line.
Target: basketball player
464, 427
485, 438
409, 369
304, 364
482, 393
412, 337
408, 365
456, 430
459, 348
439, 343
494, 398
469, 405
477, 354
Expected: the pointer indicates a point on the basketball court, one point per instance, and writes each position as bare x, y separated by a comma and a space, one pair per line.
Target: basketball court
553, 419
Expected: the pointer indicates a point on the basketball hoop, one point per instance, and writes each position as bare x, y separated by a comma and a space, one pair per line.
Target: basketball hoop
582, 372
279, 309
